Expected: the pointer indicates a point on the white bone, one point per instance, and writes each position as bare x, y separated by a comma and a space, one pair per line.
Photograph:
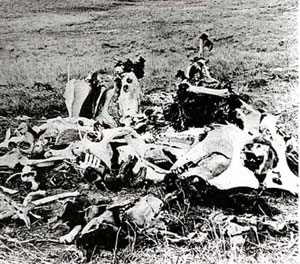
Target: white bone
75, 93
181, 140
203, 90
288, 181
236, 174
11, 159
30, 196
217, 140
40, 162
4, 144
53, 198
69, 238
107, 217
129, 99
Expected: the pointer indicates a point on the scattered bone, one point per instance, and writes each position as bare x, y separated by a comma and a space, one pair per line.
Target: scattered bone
5, 143
188, 167
11, 159
56, 197
40, 162
203, 90
281, 177
31, 195
8, 190
130, 90
9, 208
28, 175
181, 140
70, 237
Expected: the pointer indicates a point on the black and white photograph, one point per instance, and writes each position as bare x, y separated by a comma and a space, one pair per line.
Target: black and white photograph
149, 132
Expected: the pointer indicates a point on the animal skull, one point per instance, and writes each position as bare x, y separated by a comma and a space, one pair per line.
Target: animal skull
130, 94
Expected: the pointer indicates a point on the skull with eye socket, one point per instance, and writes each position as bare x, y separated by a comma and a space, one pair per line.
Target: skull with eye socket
130, 93
259, 156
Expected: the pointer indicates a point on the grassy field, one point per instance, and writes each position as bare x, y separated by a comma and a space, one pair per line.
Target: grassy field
255, 46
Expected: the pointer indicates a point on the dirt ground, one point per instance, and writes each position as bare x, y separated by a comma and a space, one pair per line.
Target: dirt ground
255, 46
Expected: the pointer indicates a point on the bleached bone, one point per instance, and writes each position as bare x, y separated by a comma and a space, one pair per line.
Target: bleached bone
31, 195
151, 171
145, 211
103, 148
91, 97
203, 90
130, 95
107, 217
250, 117
66, 153
236, 175
8, 190
57, 126
70, 237
75, 94
40, 162
208, 167
4, 144
216, 141
181, 140
259, 156
53, 198
10, 208
11, 159
269, 122
281, 177
29, 137
200, 67
27, 175
224, 144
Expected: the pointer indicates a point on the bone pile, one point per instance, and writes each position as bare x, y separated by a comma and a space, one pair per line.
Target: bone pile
201, 147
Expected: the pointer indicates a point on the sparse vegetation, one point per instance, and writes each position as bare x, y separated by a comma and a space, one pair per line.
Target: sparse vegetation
255, 46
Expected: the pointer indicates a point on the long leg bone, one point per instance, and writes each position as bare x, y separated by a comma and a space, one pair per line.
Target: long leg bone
53, 198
